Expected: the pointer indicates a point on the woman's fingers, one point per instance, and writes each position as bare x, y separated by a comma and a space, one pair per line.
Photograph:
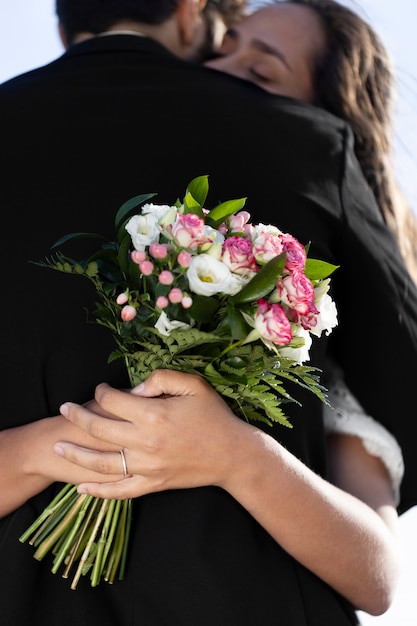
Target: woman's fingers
94, 460
110, 429
175, 430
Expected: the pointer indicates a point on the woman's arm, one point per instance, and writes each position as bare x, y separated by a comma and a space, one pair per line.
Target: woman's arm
188, 437
29, 464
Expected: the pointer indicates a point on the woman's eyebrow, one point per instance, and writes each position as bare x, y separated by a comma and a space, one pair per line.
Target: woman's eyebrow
267, 49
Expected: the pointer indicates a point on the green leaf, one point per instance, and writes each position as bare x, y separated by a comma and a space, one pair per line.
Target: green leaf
192, 206
71, 236
198, 189
203, 308
129, 205
263, 282
238, 326
217, 215
318, 270
123, 253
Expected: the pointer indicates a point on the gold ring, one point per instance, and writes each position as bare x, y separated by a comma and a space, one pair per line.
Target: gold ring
122, 454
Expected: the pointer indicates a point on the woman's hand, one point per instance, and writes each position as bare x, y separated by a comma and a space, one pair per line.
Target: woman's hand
29, 463
175, 431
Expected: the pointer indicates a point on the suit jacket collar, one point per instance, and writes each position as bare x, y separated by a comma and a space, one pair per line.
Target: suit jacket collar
118, 43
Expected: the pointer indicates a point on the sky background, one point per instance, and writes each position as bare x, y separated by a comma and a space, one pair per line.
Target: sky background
29, 38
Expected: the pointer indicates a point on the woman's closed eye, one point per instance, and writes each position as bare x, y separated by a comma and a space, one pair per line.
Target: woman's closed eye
258, 76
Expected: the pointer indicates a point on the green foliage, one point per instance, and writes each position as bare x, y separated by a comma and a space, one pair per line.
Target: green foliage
249, 376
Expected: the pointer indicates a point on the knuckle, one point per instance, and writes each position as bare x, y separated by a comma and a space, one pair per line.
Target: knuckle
105, 395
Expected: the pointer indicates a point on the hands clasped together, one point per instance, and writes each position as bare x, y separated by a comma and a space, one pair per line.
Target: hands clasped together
175, 431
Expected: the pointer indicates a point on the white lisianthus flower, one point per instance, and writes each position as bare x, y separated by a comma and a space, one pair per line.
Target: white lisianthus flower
327, 318
300, 354
164, 325
214, 235
207, 276
167, 217
158, 210
143, 230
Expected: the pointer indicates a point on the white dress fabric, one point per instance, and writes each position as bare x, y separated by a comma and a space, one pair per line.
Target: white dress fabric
348, 417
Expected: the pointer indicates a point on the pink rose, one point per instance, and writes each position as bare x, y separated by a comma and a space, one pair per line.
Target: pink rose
188, 231
237, 222
237, 255
272, 323
296, 254
297, 292
267, 246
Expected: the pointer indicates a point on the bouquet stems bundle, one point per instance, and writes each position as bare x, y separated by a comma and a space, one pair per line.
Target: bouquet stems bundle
86, 533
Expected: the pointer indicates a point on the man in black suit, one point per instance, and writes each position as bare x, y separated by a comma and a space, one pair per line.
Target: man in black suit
121, 113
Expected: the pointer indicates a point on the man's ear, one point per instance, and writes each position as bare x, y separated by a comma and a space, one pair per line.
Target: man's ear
189, 19
63, 36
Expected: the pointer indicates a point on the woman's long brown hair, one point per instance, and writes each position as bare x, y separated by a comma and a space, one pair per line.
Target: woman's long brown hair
354, 79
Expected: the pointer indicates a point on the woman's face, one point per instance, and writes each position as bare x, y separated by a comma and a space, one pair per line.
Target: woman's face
276, 47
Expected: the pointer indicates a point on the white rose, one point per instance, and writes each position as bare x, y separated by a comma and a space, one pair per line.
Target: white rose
301, 354
143, 230
259, 229
207, 276
165, 325
327, 318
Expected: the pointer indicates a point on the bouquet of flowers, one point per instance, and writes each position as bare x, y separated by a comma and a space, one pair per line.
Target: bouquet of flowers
200, 291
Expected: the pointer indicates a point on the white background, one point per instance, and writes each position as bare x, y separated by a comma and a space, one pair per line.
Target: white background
28, 38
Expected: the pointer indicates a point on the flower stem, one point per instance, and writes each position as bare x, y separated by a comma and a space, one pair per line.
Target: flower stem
117, 550
71, 535
61, 497
129, 507
102, 545
86, 553
81, 541
48, 543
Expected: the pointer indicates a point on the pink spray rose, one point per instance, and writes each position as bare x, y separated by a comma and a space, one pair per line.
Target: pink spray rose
188, 231
295, 251
272, 323
237, 255
266, 246
237, 222
297, 292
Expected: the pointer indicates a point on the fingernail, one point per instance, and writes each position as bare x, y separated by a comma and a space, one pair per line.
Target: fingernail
81, 490
63, 409
138, 388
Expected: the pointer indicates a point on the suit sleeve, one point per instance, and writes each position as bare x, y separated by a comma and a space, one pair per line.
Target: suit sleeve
376, 340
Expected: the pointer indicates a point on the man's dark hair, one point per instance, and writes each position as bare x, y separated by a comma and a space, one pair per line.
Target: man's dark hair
96, 16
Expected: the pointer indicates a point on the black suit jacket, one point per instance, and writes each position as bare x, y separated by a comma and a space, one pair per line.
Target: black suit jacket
117, 116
